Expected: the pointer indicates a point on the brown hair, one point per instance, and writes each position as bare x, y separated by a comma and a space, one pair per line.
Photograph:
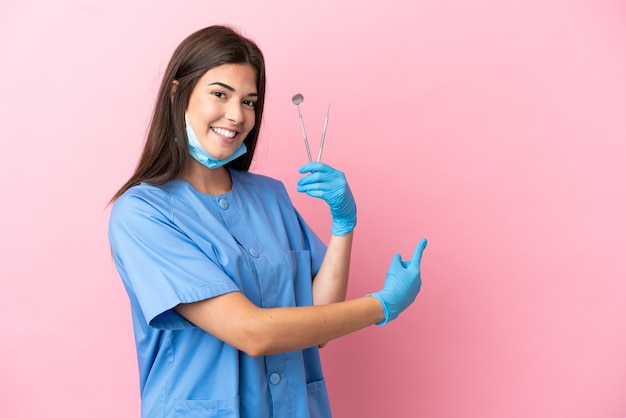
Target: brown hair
164, 159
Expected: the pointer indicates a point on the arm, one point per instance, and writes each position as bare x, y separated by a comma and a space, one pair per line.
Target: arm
331, 282
324, 182
235, 320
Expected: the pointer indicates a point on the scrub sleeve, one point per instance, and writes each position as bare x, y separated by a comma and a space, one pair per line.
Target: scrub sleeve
161, 264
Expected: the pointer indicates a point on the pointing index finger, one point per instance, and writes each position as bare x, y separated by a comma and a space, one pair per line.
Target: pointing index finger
419, 249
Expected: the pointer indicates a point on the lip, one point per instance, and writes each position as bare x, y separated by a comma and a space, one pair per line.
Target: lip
225, 139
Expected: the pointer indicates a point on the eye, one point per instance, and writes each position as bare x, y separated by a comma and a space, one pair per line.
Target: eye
250, 103
219, 94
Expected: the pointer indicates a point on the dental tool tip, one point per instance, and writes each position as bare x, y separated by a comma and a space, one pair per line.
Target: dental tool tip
297, 99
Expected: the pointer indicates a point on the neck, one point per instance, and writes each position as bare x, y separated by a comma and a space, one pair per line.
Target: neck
210, 181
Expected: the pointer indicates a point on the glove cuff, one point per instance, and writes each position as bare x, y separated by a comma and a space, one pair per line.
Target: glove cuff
343, 226
382, 302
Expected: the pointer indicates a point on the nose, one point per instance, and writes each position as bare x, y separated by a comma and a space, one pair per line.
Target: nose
234, 112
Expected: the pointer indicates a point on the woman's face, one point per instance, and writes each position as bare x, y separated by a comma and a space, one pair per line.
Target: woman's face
221, 108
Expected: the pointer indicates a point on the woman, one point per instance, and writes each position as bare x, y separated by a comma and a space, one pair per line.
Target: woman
231, 292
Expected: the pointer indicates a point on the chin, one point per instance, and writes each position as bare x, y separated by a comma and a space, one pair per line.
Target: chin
222, 156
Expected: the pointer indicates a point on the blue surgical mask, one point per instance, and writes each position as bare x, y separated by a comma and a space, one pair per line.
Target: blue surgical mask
198, 152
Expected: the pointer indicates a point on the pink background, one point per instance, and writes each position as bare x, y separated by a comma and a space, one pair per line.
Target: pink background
497, 129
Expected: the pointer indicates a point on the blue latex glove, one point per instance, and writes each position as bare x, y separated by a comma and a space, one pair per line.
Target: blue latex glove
329, 184
402, 284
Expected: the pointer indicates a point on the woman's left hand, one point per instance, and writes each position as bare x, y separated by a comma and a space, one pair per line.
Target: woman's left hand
330, 184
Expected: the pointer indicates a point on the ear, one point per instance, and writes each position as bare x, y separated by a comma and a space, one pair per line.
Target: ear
173, 89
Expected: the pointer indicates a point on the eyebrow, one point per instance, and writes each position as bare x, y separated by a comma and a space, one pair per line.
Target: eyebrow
229, 88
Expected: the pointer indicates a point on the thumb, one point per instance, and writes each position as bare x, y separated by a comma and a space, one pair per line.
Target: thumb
396, 261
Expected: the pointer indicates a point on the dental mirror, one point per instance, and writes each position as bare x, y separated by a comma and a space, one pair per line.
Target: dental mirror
297, 99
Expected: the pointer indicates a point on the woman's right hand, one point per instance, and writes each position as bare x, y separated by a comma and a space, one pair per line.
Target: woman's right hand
402, 284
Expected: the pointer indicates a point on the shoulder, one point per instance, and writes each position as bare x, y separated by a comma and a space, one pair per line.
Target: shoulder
144, 199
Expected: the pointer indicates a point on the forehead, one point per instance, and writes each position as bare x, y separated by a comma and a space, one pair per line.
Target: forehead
238, 76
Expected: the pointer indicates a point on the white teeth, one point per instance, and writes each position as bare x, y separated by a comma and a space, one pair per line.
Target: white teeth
224, 132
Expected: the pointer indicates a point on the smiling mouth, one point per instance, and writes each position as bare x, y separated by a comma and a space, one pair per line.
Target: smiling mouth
224, 132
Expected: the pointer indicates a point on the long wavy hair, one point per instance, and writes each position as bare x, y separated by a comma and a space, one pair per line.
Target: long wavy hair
164, 159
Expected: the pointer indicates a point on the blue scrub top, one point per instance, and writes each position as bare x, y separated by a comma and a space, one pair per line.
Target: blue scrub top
173, 244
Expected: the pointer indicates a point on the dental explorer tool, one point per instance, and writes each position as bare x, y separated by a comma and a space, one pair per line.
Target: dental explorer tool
319, 155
